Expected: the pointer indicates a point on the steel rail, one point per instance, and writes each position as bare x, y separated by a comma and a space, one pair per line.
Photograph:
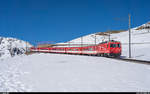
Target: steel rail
133, 60
119, 58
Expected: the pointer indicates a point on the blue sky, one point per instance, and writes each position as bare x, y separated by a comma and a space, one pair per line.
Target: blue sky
63, 20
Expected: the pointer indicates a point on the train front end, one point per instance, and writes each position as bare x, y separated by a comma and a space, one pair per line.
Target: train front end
115, 48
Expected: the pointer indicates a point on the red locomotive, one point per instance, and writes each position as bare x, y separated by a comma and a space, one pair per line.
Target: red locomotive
109, 48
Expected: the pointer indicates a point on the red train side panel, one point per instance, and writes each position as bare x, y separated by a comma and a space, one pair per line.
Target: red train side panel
108, 48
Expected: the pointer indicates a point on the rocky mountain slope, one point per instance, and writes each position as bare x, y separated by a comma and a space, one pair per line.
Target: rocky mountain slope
10, 47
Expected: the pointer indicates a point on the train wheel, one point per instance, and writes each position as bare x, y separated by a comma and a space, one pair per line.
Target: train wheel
96, 55
108, 55
102, 55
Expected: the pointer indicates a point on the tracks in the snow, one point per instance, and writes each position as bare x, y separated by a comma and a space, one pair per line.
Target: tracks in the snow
121, 59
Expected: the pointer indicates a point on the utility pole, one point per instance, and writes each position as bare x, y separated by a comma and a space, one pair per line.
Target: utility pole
129, 27
81, 41
129, 36
109, 35
95, 41
26, 47
69, 43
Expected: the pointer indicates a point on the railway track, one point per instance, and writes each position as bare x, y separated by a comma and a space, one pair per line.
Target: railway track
121, 59
133, 60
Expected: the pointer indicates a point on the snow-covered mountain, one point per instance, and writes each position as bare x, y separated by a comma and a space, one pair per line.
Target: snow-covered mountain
139, 34
11, 46
140, 38
143, 26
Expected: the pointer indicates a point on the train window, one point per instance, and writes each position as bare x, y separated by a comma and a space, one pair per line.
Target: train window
113, 45
90, 49
119, 45
85, 49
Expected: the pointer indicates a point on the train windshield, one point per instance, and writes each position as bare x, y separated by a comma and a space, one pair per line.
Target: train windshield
114, 45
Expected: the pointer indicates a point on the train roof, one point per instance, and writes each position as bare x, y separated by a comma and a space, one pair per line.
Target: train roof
109, 41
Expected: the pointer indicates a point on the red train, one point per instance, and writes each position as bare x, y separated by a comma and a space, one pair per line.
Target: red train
109, 48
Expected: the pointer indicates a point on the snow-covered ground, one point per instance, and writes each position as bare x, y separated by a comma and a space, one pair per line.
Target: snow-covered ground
59, 72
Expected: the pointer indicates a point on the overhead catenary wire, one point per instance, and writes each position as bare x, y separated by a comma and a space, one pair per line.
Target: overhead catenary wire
129, 36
